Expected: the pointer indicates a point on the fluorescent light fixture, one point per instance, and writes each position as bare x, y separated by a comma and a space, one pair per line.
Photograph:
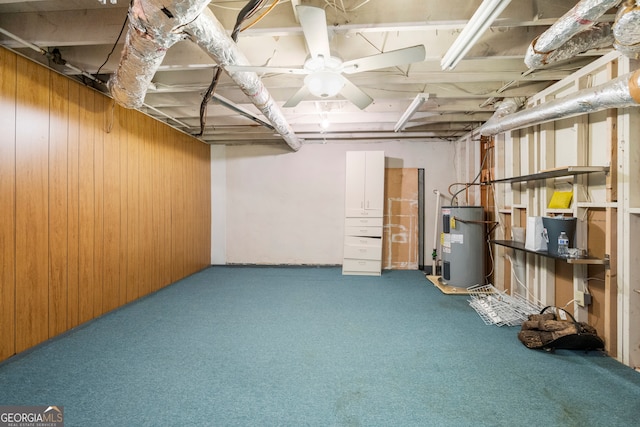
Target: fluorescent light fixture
410, 111
488, 11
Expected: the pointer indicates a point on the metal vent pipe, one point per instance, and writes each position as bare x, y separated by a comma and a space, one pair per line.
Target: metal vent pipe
626, 30
621, 92
556, 43
155, 26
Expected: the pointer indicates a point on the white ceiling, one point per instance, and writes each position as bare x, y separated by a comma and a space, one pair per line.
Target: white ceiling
85, 31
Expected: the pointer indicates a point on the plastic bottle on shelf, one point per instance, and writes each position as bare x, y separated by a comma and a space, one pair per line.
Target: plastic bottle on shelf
563, 244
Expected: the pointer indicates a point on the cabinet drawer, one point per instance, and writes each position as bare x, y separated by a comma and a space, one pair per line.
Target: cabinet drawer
366, 213
363, 241
363, 231
363, 222
362, 265
362, 252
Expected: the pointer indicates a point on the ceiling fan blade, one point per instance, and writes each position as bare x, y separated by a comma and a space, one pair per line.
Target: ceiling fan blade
354, 94
297, 97
392, 58
314, 26
260, 69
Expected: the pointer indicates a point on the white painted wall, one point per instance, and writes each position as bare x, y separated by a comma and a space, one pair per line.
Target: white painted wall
284, 207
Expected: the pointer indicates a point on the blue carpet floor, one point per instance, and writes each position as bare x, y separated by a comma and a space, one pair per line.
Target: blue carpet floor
297, 346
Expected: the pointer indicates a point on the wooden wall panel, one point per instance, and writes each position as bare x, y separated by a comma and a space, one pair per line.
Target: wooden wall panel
58, 204
7, 202
86, 216
101, 204
177, 215
122, 122
98, 116
73, 207
112, 210
146, 216
204, 184
597, 231
563, 285
191, 224
203, 252
156, 218
166, 158
32, 213
133, 197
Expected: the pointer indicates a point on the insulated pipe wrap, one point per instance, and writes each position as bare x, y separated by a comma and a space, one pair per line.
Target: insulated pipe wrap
600, 35
626, 31
209, 34
621, 92
150, 34
142, 57
155, 26
580, 18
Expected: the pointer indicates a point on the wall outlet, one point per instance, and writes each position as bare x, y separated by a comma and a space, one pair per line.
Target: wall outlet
579, 297
583, 299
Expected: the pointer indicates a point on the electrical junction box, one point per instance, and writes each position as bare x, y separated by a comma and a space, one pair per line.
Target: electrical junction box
582, 298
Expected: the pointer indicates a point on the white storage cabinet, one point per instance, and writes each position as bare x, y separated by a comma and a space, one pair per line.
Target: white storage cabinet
364, 204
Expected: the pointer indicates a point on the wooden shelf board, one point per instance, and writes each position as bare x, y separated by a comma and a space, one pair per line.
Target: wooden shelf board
520, 247
561, 211
600, 205
554, 173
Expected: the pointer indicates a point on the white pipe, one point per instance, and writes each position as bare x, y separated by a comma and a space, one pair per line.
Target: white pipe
47, 54
155, 26
23, 42
621, 92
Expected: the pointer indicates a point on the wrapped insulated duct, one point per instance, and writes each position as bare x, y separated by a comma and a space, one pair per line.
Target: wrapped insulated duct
580, 18
155, 26
621, 92
152, 30
209, 34
626, 30
507, 107
598, 36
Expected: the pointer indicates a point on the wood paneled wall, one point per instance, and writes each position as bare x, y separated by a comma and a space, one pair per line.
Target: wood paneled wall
99, 205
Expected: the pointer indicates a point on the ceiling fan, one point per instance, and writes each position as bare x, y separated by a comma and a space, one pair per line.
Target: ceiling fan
324, 71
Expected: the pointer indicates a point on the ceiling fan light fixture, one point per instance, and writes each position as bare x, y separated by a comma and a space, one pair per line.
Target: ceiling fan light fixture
324, 84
